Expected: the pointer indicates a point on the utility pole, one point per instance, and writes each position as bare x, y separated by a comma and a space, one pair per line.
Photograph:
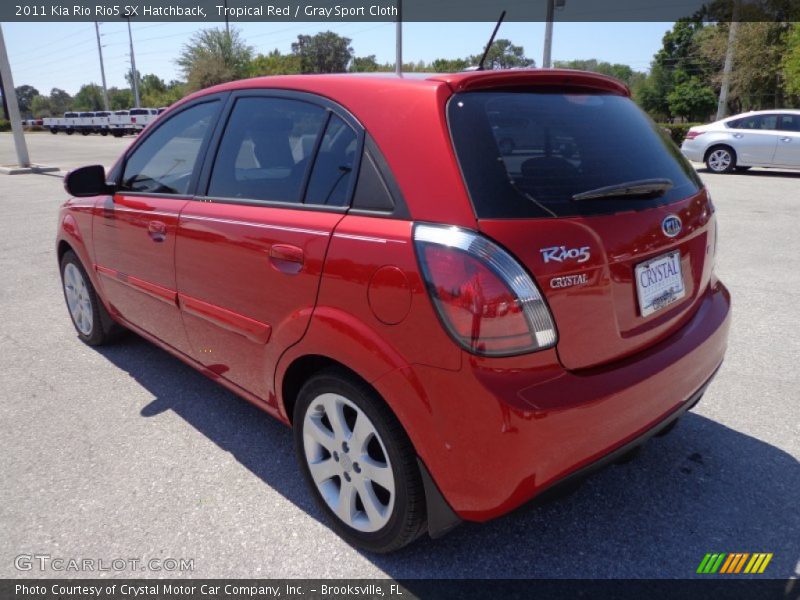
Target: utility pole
548, 35
722, 106
134, 78
102, 68
398, 58
552, 5
227, 25
10, 96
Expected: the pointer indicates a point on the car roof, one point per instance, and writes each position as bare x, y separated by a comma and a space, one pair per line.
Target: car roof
771, 111
359, 83
406, 119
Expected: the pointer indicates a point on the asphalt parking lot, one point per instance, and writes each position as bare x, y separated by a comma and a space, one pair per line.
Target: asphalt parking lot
125, 452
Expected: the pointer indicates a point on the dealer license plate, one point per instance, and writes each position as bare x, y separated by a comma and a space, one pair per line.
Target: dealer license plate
659, 283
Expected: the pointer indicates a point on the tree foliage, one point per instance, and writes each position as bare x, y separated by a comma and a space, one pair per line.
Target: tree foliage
214, 56
325, 52
88, 98
275, 63
692, 100
791, 61
503, 55
622, 72
25, 96
756, 77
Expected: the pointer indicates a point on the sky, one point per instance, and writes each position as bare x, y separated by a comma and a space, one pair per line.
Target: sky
64, 55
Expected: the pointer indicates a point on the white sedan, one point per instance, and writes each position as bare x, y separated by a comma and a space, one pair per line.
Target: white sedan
766, 138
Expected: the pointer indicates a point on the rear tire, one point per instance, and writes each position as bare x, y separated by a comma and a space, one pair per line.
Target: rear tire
721, 159
358, 462
90, 318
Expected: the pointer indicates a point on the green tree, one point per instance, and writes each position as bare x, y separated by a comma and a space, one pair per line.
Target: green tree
449, 65
757, 78
365, 64
41, 106
213, 56
504, 55
791, 61
120, 99
25, 95
89, 97
692, 99
678, 59
325, 52
651, 94
129, 79
60, 101
274, 63
622, 72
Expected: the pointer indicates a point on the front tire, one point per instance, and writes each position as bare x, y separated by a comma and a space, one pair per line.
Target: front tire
721, 159
90, 318
358, 462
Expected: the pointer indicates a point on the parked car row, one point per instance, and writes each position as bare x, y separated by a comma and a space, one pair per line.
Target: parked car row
765, 138
117, 123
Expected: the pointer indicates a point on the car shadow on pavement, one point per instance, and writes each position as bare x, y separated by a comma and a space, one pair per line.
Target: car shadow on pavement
760, 172
702, 488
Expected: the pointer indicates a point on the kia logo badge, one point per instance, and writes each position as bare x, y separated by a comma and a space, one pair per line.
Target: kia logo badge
671, 226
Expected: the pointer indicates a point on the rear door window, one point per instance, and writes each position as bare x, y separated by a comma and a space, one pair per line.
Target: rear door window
768, 122
333, 167
527, 155
266, 150
789, 123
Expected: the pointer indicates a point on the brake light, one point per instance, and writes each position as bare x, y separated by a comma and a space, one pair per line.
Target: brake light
690, 135
486, 300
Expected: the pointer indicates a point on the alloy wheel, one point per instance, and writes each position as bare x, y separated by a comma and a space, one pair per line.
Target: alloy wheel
348, 462
78, 299
719, 160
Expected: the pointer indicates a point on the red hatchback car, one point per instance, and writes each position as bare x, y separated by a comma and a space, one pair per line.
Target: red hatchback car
459, 291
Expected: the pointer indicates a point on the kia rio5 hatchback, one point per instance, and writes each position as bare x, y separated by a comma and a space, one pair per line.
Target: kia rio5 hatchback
451, 324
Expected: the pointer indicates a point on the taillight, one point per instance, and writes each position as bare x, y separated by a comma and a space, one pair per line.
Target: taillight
690, 135
486, 300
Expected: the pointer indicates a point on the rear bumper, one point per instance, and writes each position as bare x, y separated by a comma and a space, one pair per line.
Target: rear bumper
502, 432
692, 150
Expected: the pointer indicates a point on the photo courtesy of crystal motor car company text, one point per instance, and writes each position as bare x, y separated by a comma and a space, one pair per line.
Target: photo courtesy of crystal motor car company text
432, 302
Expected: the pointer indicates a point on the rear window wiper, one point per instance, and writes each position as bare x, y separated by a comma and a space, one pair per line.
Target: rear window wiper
640, 188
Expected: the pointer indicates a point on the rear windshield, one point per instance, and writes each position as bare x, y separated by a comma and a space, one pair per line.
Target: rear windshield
525, 155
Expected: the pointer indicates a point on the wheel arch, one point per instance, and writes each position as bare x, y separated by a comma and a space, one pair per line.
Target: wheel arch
440, 517
717, 145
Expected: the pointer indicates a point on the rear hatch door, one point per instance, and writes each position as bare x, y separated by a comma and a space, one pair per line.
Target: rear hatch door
597, 203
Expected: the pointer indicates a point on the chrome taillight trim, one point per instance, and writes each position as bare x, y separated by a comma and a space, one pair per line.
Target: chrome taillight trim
505, 266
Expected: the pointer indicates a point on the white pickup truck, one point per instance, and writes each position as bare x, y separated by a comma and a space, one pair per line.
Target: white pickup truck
131, 121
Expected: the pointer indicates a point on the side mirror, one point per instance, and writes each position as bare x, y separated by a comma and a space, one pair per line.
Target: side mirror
87, 181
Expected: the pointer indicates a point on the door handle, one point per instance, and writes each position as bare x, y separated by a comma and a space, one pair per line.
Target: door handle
286, 258
738, 136
157, 230
786, 139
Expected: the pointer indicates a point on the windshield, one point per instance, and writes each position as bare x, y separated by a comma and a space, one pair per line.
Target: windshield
526, 155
